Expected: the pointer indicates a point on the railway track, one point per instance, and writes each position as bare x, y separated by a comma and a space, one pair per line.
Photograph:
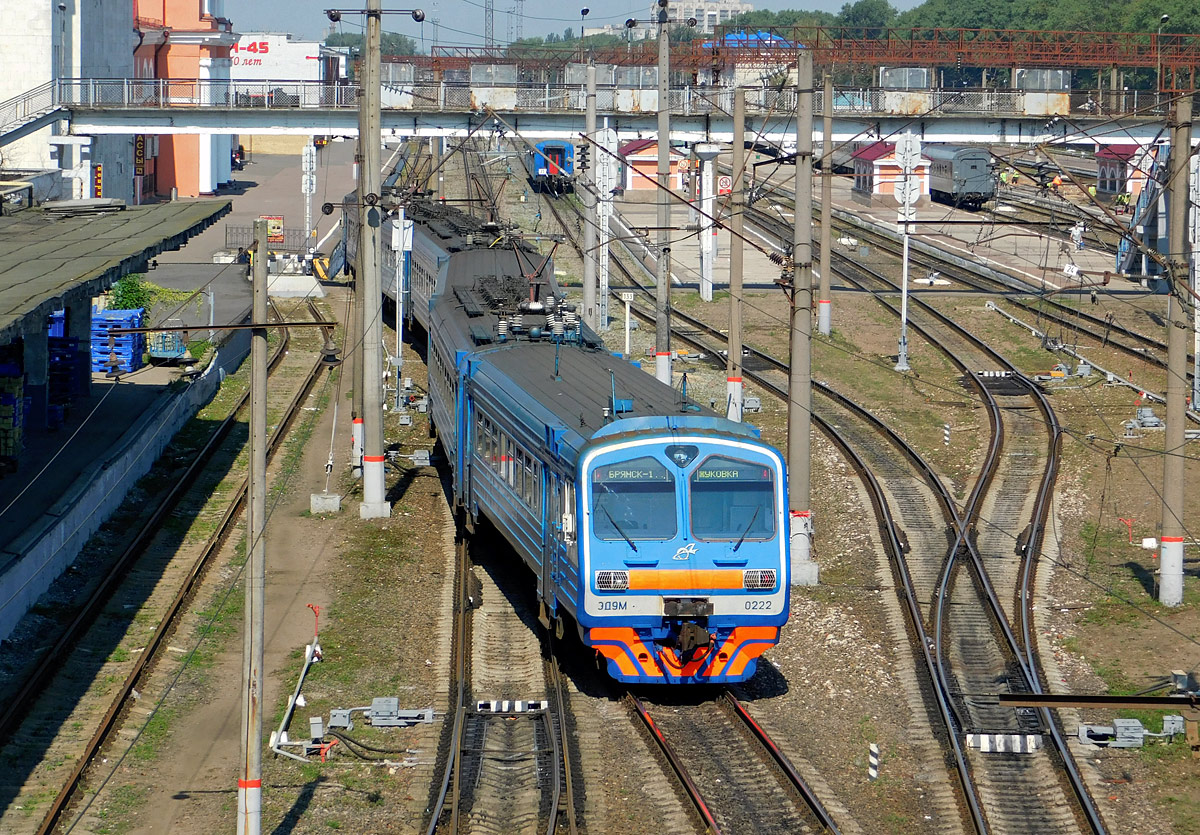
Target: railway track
747, 784
810, 812
507, 752
58, 716
1073, 321
1057, 215
1004, 794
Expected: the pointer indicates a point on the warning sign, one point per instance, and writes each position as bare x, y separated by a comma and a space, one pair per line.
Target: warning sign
724, 184
274, 228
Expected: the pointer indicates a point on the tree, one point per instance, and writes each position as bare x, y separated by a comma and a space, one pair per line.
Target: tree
391, 43
868, 17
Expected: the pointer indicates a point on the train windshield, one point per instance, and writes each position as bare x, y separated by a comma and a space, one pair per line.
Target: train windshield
733, 500
633, 500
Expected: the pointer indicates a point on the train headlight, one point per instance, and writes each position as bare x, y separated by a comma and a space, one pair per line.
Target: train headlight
612, 580
758, 579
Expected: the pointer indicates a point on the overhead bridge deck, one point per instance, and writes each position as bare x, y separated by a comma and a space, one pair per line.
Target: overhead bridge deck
544, 111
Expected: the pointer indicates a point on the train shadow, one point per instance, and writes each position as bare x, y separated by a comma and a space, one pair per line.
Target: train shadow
57, 607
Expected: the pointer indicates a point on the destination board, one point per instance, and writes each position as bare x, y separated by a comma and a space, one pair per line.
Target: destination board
637, 470
725, 469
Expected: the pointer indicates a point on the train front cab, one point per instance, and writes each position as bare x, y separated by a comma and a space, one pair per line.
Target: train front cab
684, 556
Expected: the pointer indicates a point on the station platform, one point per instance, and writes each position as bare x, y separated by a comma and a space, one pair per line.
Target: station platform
70, 479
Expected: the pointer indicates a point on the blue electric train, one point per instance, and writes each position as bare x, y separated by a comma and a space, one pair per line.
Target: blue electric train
658, 528
551, 166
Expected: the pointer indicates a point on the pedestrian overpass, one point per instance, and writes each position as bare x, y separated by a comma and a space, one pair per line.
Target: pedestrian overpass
545, 111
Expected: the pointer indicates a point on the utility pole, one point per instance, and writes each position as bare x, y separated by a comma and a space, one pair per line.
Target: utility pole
435, 150
662, 292
824, 299
733, 362
799, 452
590, 220
354, 339
907, 189
1170, 590
374, 504
250, 782
606, 183
705, 153
1194, 202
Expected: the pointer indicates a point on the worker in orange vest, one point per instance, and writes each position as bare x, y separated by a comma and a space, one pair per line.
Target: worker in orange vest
1056, 185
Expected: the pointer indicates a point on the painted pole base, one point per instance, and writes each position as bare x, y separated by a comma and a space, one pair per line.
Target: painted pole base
804, 571
1170, 584
324, 503
824, 317
662, 368
735, 401
375, 510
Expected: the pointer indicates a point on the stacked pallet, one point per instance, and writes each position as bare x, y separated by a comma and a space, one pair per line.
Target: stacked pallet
128, 347
12, 412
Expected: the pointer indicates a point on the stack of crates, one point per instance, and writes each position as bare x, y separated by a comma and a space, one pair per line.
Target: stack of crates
129, 347
65, 381
57, 326
12, 412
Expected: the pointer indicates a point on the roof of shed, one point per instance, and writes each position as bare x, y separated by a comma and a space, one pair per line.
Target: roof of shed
44, 257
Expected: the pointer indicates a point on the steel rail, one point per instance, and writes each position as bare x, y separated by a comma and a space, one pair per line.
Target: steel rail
677, 765
558, 685
17, 706
1022, 650
211, 547
459, 689
785, 765
1040, 305
941, 694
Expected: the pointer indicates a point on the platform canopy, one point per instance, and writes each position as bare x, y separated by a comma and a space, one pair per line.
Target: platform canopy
48, 259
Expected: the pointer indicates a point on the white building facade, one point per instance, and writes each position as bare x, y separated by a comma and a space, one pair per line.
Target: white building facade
68, 39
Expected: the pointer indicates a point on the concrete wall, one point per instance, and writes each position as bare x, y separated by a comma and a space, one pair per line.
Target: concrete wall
50, 546
268, 144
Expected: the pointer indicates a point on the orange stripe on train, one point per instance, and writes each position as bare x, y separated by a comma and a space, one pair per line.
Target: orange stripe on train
626, 637
650, 579
744, 644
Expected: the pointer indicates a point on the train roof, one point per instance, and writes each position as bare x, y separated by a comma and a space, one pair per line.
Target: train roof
934, 152
583, 389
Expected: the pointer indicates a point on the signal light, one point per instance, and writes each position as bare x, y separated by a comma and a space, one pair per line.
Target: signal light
583, 158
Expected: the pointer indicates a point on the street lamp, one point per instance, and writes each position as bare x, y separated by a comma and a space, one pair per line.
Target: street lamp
1162, 21
336, 14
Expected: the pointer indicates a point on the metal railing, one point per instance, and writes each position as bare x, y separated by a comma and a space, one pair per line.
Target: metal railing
89, 94
26, 107
242, 237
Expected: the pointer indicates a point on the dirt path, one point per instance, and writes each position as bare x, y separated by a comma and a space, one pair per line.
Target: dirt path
195, 778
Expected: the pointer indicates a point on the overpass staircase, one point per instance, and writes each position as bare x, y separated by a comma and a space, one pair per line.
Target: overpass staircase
30, 111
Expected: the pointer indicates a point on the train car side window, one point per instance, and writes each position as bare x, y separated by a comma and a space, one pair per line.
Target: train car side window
733, 500
633, 500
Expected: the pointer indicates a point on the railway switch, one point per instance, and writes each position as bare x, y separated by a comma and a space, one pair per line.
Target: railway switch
383, 712
1128, 733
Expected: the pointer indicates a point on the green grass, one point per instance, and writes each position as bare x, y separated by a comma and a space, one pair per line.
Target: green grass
122, 803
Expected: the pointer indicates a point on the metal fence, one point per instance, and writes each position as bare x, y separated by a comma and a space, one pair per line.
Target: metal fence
242, 237
550, 98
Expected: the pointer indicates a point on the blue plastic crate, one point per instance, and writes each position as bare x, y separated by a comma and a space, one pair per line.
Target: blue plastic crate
57, 324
